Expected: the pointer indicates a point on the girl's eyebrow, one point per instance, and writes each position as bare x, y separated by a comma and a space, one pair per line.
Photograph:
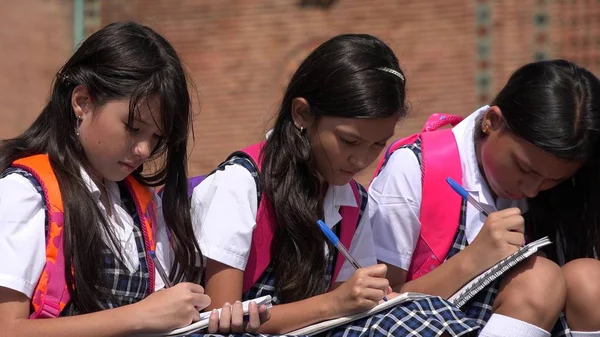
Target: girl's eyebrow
356, 135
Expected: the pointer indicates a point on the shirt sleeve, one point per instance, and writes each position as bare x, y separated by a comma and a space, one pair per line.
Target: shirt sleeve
224, 208
362, 248
22, 234
394, 208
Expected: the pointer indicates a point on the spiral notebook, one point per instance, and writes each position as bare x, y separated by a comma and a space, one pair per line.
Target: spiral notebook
459, 298
467, 292
203, 322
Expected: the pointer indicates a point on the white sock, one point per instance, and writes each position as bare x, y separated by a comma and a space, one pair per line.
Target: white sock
585, 333
504, 326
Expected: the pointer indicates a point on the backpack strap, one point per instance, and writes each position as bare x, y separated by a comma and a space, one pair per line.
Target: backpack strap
145, 206
351, 217
51, 294
440, 206
433, 123
262, 236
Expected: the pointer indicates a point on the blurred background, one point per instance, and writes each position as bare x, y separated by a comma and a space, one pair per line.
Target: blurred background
456, 54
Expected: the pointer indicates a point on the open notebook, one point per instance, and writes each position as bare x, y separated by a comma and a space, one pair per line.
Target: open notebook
469, 290
203, 322
459, 298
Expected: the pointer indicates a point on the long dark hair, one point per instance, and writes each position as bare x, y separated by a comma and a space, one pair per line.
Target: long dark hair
120, 61
555, 105
340, 78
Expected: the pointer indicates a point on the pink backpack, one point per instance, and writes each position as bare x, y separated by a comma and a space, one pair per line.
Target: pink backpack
440, 205
260, 249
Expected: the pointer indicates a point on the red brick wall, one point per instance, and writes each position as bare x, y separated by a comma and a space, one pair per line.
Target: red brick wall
241, 53
36, 37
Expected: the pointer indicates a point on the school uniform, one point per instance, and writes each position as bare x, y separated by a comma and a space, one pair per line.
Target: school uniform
395, 197
224, 210
23, 233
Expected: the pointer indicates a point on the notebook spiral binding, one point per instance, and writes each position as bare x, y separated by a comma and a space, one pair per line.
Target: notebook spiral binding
467, 292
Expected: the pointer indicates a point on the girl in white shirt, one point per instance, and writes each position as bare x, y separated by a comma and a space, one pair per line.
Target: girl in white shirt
340, 108
530, 152
119, 101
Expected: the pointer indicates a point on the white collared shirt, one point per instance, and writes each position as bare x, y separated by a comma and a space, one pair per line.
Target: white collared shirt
224, 208
395, 197
22, 232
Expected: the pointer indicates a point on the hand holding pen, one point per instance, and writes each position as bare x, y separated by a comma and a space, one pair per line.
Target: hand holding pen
363, 290
221, 320
169, 308
500, 235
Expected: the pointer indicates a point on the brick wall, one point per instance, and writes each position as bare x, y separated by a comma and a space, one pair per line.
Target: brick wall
35, 39
241, 54
456, 53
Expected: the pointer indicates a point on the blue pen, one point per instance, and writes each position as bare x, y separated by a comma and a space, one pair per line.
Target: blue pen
335, 241
160, 269
465, 195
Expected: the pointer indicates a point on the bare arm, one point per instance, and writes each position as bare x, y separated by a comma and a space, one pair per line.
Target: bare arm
14, 318
160, 312
363, 291
443, 281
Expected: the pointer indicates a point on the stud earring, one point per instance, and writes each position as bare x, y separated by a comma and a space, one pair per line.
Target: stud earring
485, 127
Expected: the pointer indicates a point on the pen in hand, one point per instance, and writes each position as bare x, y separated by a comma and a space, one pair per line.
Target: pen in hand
161, 271
465, 195
335, 241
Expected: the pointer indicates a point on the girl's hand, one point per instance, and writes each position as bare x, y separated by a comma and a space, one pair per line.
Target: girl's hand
171, 308
361, 292
500, 236
232, 318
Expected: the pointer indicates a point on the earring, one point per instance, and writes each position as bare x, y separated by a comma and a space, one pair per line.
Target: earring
79, 119
485, 127
302, 130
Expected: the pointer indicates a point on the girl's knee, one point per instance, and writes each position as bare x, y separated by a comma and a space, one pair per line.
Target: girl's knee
536, 285
582, 277
583, 292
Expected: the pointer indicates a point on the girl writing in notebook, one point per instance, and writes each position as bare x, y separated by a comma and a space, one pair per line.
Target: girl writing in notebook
78, 218
257, 213
532, 150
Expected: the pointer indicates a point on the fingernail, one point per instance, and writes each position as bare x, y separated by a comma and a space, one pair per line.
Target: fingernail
236, 302
214, 312
226, 303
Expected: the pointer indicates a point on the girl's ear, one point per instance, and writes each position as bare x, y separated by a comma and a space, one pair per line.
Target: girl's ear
492, 119
301, 113
81, 101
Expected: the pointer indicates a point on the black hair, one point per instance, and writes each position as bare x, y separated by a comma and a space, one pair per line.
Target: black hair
120, 61
352, 76
555, 105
